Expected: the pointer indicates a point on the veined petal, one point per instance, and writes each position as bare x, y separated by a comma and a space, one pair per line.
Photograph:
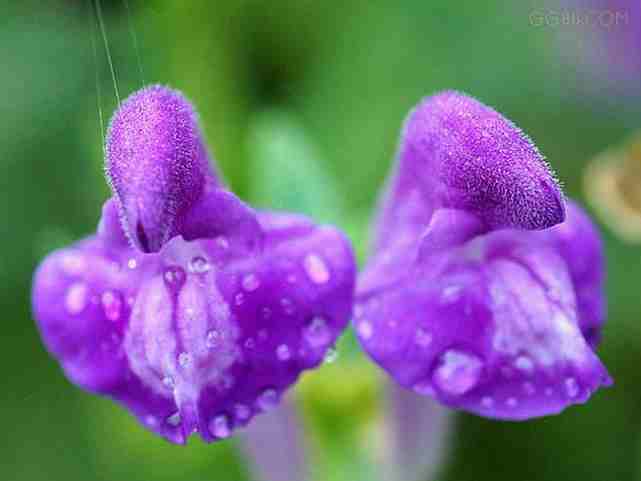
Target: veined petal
490, 327
200, 336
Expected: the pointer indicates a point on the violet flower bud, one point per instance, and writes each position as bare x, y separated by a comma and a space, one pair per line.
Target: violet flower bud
214, 311
484, 289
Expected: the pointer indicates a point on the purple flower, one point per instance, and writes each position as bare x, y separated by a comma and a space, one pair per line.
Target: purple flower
213, 309
484, 289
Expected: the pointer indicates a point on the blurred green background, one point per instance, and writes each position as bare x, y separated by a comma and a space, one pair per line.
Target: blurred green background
301, 102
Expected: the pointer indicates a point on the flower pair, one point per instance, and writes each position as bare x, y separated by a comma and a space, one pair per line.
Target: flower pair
196, 312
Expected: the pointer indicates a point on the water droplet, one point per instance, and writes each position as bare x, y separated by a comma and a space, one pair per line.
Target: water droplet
151, 420
184, 359
424, 388
283, 353
457, 372
330, 356
267, 312
174, 276
487, 402
451, 293
291, 278
199, 265
524, 363
168, 382
219, 427
287, 305
267, 400
365, 330
174, 420
250, 343
316, 269
511, 402
222, 242
76, 298
72, 263
317, 333
132, 263
250, 282
529, 388
213, 339
111, 305
571, 387
242, 412
239, 298
422, 337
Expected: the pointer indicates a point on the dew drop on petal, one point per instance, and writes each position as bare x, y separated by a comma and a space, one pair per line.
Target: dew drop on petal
283, 352
222, 242
571, 387
168, 382
132, 263
250, 282
287, 305
267, 400
422, 337
487, 402
199, 265
330, 356
239, 298
213, 339
184, 359
423, 388
529, 388
457, 372
219, 427
72, 263
267, 312
316, 269
174, 420
317, 334
242, 412
174, 276
365, 330
524, 363
111, 304
250, 343
151, 420
451, 293
511, 402
76, 298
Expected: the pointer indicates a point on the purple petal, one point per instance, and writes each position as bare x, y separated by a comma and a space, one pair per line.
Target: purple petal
478, 292
456, 152
579, 243
202, 335
157, 164
490, 326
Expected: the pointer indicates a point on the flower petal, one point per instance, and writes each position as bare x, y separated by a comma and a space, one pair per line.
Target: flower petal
456, 152
157, 164
578, 241
490, 326
200, 336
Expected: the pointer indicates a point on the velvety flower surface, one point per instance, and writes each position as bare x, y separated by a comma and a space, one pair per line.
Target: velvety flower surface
484, 289
213, 309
